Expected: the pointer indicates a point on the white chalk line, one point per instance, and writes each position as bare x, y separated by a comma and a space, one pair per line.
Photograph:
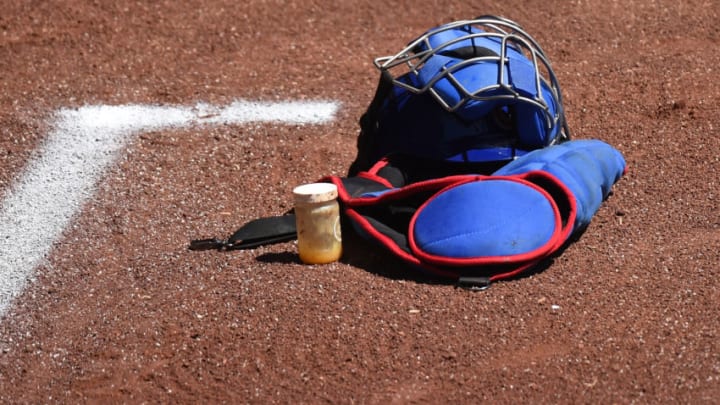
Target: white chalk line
81, 146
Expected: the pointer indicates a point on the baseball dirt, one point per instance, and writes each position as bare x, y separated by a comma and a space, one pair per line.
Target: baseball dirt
121, 311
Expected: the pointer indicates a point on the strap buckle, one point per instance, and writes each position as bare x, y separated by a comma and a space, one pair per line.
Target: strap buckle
473, 283
209, 244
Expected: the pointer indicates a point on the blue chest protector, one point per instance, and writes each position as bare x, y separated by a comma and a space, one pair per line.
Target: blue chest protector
484, 227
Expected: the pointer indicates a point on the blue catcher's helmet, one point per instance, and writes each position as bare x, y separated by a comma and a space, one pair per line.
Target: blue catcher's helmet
473, 91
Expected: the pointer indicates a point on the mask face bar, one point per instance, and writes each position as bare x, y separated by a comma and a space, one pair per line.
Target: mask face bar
468, 62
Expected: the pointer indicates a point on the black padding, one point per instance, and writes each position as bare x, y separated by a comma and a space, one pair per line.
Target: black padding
357, 186
398, 238
367, 140
468, 52
404, 170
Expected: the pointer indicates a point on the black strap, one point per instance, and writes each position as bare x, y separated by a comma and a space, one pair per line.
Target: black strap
261, 231
269, 230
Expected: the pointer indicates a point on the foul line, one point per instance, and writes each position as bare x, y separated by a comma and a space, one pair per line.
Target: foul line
83, 143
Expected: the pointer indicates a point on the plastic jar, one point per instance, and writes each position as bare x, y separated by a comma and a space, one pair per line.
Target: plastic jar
317, 218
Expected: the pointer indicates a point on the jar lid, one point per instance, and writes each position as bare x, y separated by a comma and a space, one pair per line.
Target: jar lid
315, 193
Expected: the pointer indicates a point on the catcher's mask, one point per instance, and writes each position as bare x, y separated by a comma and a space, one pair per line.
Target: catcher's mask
480, 68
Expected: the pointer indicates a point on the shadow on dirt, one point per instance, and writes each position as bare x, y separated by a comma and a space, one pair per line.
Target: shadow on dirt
279, 257
365, 255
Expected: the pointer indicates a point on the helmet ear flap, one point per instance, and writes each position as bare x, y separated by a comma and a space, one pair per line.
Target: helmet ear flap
470, 91
529, 122
532, 125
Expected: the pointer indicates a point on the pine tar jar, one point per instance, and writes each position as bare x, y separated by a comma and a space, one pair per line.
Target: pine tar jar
317, 218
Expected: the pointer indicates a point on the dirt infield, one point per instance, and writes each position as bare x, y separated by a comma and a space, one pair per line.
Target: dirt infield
121, 311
